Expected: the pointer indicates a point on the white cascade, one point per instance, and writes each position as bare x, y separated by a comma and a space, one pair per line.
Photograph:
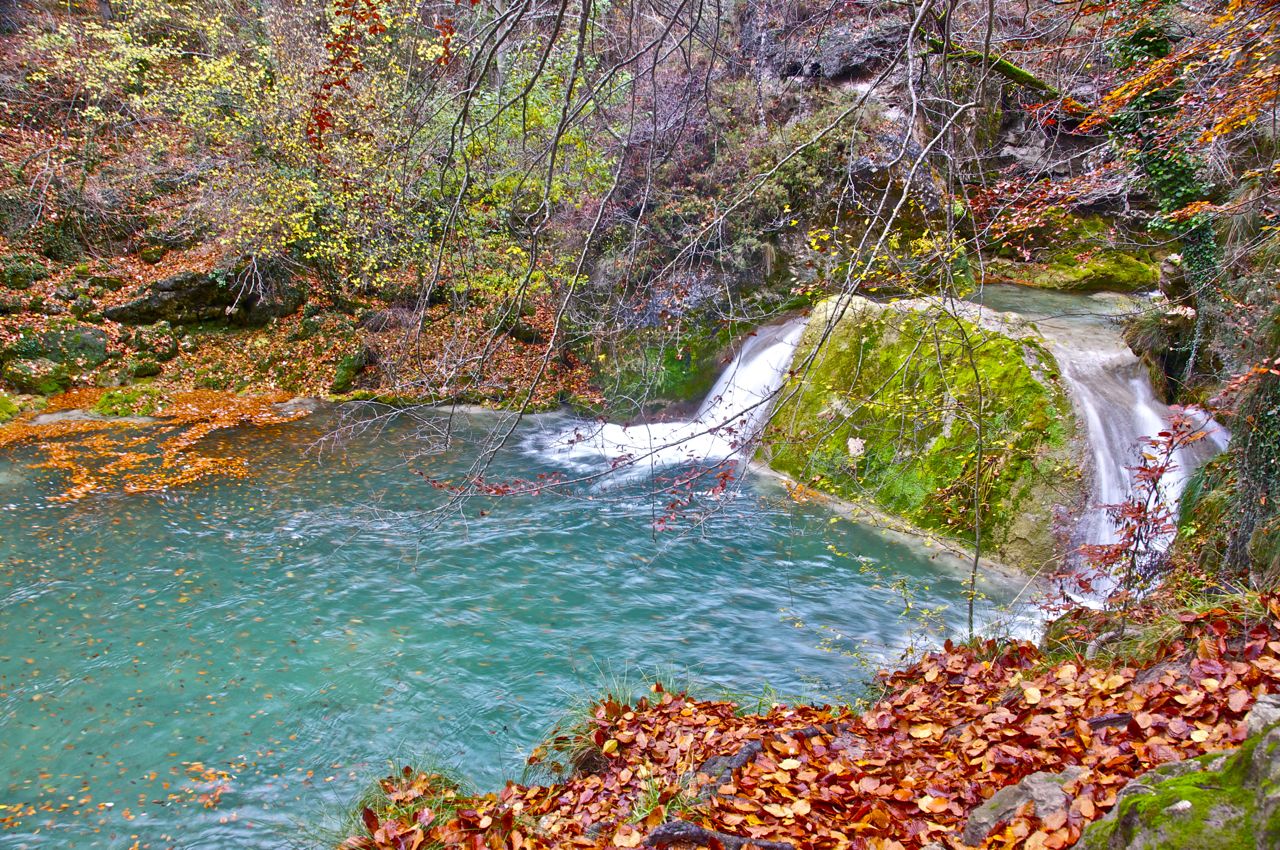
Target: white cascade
726, 426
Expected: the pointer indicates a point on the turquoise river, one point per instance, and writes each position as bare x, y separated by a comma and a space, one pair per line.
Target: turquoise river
226, 665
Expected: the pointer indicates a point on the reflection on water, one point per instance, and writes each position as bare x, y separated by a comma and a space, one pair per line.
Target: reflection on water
214, 667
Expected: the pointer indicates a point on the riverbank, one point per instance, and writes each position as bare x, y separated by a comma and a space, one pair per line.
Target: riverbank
977, 745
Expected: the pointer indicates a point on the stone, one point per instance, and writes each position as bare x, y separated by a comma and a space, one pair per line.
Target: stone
38, 375
19, 271
1228, 800
80, 346
1264, 714
158, 341
1044, 789
193, 297
152, 254
145, 369
108, 282
8, 408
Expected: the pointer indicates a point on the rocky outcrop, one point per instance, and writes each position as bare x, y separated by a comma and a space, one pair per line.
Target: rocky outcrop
1076, 253
883, 411
193, 297
1228, 800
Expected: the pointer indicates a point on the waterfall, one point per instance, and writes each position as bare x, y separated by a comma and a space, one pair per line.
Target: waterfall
1112, 394
1118, 408
726, 426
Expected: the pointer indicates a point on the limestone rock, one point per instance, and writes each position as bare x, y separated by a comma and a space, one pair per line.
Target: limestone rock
1264, 714
1044, 789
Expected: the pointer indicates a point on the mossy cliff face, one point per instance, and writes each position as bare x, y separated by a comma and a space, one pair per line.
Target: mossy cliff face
1076, 254
904, 403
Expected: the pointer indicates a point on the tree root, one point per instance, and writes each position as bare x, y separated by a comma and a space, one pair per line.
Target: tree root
684, 832
721, 768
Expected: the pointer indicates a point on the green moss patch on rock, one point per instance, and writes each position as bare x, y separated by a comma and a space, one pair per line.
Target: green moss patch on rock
1227, 801
141, 400
890, 409
1076, 254
8, 408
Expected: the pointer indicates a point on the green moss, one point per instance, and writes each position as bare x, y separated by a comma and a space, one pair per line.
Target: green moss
888, 412
8, 408
344, 377
1221, 812
142, 400
683, 371
1077, 253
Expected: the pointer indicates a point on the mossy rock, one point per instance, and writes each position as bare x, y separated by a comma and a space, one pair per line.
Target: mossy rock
1219, 800
142, 400
145, 369
8, 408
82, 346
1077, 253
884, 412
37, 375
111, 283
19, 271
152, 254
349, 368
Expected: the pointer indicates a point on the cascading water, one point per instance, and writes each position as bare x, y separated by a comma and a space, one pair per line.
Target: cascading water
1112, 394
725, 426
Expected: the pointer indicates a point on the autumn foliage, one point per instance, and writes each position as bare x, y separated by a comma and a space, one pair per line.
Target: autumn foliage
950, 731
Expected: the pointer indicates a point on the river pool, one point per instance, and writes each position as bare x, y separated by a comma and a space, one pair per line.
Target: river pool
225, 665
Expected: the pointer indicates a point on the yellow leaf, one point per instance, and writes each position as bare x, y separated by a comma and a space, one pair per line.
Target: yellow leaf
788, 764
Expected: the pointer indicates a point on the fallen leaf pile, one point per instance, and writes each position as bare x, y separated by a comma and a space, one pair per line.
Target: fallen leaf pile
104, 455
951, 731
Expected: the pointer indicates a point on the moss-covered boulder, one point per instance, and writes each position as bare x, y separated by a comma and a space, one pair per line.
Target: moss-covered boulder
1077, 254
37, 375
142, 400
79, 346
1227, 801
19, 271
44, 362
909, 407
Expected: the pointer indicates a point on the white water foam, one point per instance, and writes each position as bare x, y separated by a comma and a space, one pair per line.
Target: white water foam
726, 426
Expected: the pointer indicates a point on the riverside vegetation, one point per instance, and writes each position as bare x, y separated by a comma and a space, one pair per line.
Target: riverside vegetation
1001, 276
